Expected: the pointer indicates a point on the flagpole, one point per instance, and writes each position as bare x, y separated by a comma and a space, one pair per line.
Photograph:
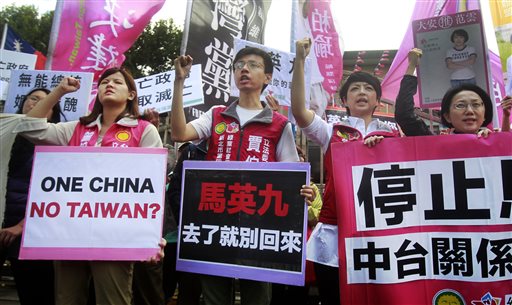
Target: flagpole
4, 37
54, 34
186, 29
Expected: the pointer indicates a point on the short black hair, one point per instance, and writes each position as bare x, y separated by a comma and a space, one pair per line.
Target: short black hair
447, 102
361, 76
460, 32
267, 60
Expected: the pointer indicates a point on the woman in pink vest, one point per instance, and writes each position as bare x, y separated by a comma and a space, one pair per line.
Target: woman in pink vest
113, 122
361, 95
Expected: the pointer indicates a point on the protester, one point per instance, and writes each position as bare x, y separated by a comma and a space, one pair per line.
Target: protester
460, 59
115, 109
148, 276
464, 109
189, 285
34, 278
248, 119
361, 94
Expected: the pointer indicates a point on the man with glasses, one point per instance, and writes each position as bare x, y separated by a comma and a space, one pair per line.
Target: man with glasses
246, 130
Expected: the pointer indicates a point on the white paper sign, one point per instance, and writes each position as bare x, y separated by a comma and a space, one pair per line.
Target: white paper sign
9, 61
156, 91
73, 105
92, 203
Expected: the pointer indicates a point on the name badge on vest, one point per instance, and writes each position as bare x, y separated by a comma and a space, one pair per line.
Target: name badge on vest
86, 138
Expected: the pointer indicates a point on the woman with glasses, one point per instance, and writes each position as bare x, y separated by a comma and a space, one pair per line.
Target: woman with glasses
464, 109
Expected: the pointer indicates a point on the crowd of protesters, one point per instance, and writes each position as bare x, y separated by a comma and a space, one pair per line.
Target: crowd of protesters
465, 109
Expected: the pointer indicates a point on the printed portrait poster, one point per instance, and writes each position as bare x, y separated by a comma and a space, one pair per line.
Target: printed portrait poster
454, 52
73, 104
244, 219
426, 220
95, 203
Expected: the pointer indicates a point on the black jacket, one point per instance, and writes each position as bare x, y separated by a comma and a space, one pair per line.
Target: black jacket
409, 122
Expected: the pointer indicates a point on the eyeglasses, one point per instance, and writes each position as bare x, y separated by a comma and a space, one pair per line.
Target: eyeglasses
463, 106
251, 64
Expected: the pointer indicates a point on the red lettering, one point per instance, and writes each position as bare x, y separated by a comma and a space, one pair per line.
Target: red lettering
44, 209
280, 207
49, 208
212, 197
125, 211
34, 208
141, 210
241, 199
85, 210
73, 205
108, 210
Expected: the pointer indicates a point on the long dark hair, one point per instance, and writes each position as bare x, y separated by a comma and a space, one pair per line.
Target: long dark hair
132, 106
57, 111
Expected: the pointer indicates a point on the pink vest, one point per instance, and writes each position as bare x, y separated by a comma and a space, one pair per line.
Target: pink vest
340, 133
116, 136
255, 142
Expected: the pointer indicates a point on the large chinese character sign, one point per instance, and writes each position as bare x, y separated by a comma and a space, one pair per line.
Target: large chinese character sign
425, 219
244, 220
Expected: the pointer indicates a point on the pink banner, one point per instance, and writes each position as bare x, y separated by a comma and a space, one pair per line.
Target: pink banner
423, 225
326, 44
426, 9
91, 35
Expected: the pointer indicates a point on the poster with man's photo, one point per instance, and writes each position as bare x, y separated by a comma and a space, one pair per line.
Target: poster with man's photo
454, 53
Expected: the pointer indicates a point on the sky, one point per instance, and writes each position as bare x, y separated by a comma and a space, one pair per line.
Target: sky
363, 24
387, 36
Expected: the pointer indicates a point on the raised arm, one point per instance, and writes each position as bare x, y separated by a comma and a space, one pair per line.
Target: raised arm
303, 116
410, 123
413, 59
181, 131
41, 109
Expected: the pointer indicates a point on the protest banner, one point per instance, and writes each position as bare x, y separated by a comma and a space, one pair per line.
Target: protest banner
314, 20
92, 203
446, 61
92, 36
11, 61
73, 105
244, 219
210, 27
279, 86
425, 219
155, 91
